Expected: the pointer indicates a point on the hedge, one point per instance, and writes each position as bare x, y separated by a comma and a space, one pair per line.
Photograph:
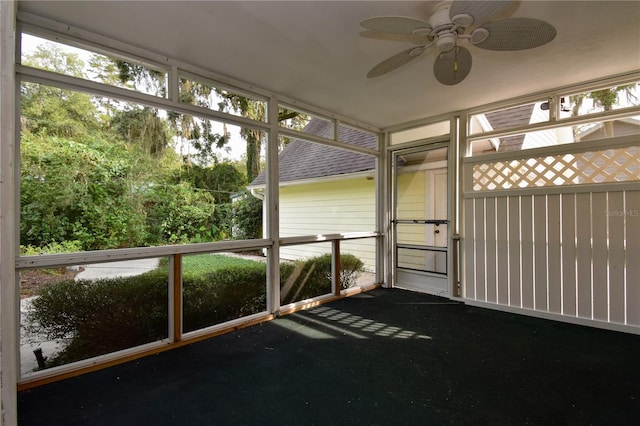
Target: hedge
98, 317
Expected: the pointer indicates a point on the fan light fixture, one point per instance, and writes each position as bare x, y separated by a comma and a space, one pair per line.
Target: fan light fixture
424, 31
478, 35
463, 20
445, 42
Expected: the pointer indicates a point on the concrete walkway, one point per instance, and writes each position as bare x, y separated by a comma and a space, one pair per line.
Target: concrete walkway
125, 268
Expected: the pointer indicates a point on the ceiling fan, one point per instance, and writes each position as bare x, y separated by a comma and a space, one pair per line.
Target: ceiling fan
453, 22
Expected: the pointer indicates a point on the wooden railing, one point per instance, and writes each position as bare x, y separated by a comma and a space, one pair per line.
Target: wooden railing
176, 336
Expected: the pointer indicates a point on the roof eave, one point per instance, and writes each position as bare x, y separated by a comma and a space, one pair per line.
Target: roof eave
367, 174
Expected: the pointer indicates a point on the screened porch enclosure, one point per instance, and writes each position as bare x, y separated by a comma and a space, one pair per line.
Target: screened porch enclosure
504, 209
429, 243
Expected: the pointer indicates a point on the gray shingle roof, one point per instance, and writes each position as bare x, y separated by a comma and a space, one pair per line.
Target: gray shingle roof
302, 160
518, 116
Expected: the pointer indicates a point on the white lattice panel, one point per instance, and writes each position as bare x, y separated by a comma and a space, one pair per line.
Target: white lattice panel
606, 166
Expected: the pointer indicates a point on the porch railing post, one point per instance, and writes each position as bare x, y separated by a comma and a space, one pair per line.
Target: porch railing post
177, 297
335, 267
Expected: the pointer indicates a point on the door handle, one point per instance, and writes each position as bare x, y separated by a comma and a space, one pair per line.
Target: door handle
437, 231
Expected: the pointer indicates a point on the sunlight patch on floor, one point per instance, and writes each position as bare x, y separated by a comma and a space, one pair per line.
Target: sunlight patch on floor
344, 324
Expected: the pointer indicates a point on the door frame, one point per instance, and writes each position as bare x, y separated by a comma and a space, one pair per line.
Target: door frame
451, 238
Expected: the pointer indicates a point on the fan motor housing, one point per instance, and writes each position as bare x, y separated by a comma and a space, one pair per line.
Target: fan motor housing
445, 42
440, 20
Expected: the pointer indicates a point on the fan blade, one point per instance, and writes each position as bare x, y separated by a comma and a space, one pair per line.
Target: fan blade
453, 66
395, 61
482, 11
394, 24
415, 39
517, 34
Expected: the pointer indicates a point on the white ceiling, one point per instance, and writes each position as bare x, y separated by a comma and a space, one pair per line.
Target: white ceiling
312, 51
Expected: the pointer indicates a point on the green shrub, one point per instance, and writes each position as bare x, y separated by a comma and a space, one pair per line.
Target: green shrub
223, 218
247, 217
71, 191
304, 279
51, 248
98, 317
179, 213
224, 295
102, 316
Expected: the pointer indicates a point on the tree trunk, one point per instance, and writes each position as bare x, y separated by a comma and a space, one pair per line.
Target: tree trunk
254, 146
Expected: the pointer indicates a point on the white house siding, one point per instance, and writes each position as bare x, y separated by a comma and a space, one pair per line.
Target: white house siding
411, 204
331, 207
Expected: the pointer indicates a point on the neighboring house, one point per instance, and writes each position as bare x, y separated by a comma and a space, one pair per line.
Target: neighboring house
331, 190
523, 115
622, 127
327, 190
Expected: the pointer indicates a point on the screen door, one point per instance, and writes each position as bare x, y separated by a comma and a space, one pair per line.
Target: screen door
420, 219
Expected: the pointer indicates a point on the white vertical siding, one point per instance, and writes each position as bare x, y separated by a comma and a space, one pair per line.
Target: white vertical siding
528, 275
616, 260
480, 261
573, 254
469, 290
502, 248
632, 256
583, 253
491, 254
554, 266
569, 254
540, 257
600, 256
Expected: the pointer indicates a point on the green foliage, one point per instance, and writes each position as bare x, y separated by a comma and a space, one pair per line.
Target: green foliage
100, 173
304, 279
178, 213
224, 295
221, 179
52, 111
149, 80
143, 127
223, 218
73, 192
98, 317
201, 264
247, 217
51, 248
57, 112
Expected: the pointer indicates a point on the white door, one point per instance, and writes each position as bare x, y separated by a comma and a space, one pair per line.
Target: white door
420, 220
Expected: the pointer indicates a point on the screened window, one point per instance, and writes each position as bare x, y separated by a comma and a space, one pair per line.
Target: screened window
78, 62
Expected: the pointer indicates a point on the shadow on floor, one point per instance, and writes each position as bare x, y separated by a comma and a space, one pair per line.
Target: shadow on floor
386, 357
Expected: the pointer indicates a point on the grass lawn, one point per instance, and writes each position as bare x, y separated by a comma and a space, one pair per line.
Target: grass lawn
204, 263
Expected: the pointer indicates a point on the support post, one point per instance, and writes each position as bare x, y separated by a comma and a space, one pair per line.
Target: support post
271, 204
9, 286
336, 282
177, 297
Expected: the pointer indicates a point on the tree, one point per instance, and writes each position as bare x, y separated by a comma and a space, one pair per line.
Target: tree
254, 138
606, 99
222, 179
142, 126
70, 191
198, 132
53, 111
96, 173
